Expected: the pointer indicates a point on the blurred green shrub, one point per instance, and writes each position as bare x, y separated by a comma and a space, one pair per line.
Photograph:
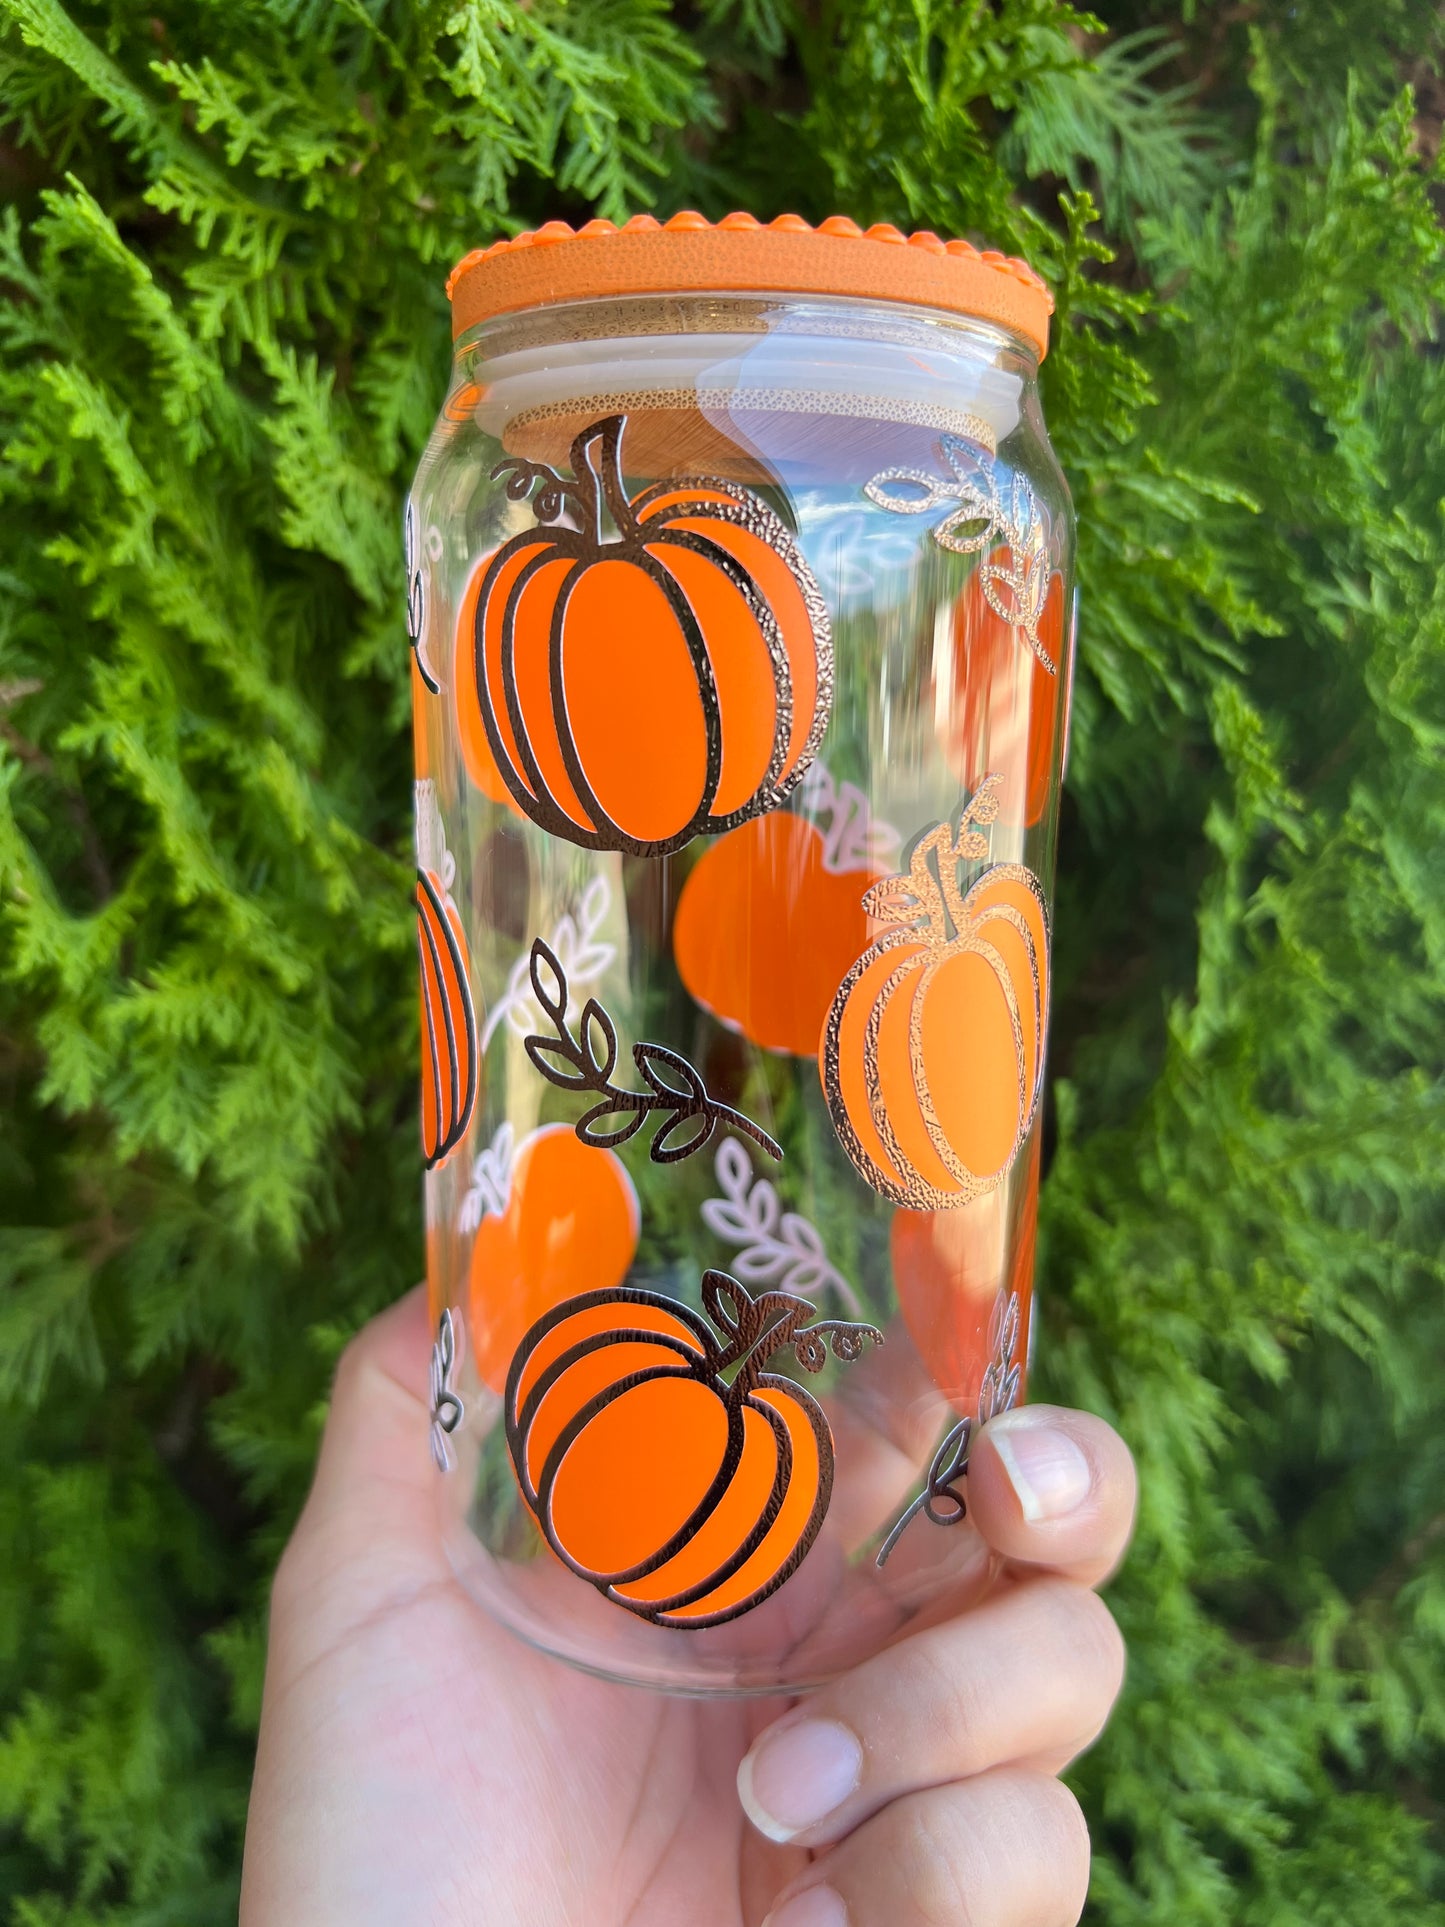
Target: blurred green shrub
222, 340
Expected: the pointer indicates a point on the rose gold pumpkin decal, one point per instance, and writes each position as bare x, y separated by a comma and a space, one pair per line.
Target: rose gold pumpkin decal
683, 1494
933, 1052
639, 689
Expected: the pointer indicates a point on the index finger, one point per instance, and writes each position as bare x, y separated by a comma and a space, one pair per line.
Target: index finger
1053, 1489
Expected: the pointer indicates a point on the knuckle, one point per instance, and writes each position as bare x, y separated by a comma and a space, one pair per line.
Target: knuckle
954, 1702
929, 1853
1098, 1641
1064, 1844
963, 1708
1014, 1846
1083, 1635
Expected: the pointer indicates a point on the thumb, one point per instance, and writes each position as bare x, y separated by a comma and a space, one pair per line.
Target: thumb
368, 1534
1053, 1490
374, 1447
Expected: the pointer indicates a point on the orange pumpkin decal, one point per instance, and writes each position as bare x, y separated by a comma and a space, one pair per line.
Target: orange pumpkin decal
933, 1051
948, 1270
637, 691
477, 757
772, 915
551, 1219
681, 1496
449, 1054
1003, 713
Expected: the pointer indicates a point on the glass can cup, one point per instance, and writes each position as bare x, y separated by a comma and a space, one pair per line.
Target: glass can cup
740, 596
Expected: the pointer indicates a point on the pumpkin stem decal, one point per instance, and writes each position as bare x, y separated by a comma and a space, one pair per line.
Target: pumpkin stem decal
755, 1328
586, 1063
672, 678
933, 1051
681, 1494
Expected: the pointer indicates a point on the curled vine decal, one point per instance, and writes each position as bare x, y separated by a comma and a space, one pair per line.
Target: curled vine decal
447, 1410
416, 600
942, 1499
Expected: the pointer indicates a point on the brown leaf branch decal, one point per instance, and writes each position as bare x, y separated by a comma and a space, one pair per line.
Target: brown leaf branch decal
585, 1061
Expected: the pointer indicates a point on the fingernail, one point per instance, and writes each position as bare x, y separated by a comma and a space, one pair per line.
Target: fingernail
815, 1907
1046, 1469
795, 1776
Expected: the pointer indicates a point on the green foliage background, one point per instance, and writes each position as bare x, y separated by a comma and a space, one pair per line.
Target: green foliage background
224, 338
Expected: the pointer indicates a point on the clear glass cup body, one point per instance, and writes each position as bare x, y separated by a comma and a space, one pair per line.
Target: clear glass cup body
742, 633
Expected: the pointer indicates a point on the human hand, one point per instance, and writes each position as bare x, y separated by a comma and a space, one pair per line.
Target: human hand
418, 1764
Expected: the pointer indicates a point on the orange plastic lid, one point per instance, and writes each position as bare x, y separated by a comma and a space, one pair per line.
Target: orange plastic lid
691, 255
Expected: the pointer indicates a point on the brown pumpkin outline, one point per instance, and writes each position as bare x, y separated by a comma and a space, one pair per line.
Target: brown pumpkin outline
451, 1118
587, 491
756, 1328
920, 906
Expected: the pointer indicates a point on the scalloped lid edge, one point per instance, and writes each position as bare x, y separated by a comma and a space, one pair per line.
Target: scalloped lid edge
689, 254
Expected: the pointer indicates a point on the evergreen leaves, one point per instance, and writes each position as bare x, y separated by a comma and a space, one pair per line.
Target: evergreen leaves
222, 342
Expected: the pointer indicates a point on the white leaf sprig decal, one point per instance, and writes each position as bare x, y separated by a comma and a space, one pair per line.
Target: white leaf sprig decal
775, 1247
1003, 525
491, 1186
855, 839
574, 943
430, 835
